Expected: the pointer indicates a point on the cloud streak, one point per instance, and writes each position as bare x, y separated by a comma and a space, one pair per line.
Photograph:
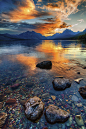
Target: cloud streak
58, 12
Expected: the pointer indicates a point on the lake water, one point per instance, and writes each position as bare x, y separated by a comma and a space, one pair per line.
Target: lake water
18, 61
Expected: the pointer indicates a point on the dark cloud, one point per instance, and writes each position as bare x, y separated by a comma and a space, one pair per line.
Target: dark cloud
49, 19
64, 25
52, 5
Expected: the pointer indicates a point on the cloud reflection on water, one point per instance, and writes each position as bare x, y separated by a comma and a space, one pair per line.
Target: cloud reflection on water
59, 55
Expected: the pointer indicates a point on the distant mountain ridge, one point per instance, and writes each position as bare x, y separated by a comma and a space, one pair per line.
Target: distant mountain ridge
25, 35
32, 35
65, 35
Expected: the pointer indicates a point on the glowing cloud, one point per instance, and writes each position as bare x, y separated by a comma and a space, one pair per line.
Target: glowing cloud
24, 11
60, 10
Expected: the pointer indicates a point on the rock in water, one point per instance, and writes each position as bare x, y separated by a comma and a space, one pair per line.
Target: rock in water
75, 98
61, 83
3, 117
54, 114
82, 91
79, 120
34, 108
11, 101
45, 65
78, 80
15, 86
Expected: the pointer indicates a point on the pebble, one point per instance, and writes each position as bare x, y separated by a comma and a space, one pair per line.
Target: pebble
1, 105
79, 104
70, 121
78, 80
79, 120
75, 98
53, 97
45, 95
11, 101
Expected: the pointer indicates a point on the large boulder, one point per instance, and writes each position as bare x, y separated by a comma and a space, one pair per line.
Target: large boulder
34, 108
82, 91
45, 65
61, 83
54, 114
3, 117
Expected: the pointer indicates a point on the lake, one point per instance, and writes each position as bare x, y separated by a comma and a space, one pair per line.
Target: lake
18, 61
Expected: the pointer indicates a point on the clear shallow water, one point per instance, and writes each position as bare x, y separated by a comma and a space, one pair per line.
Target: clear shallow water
18, 61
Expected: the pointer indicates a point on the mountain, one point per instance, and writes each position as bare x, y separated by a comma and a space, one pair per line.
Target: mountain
31, 35
53, 37
25, 35
65, 35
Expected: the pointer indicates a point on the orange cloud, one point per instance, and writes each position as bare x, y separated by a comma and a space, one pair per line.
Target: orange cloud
49, 28
60, 10
24, 11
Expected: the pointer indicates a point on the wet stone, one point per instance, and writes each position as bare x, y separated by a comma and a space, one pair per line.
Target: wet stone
45, 65
78, 80
2, 97
15, 86
22, 102
54, 114
70, 121
11, 101
79, 120
82, 91
75, 98
34, 108
79, 104
29, 84
61, 83
8, 91
3, 117
45, 95
1, 105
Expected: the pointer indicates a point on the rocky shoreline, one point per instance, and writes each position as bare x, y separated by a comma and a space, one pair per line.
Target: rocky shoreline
45, 104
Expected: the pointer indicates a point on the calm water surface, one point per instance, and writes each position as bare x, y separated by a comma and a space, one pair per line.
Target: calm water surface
18, 61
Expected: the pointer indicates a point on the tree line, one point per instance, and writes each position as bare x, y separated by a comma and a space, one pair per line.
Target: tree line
82, 37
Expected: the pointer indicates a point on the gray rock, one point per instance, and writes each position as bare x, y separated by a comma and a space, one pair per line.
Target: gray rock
45, 95
34, 108
61, 83
75, 98
45, 65
54, 114
70, 121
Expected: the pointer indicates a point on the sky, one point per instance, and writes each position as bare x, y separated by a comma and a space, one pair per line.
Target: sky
42, 16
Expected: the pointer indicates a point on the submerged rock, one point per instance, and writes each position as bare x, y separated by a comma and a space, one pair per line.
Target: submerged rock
15, 86
75, 98
2, 97
34, 108
1, 105
11, 101
79, 120
61, 83
45, 65
82, 91
54, 114
3, 117
78, 80
22, 102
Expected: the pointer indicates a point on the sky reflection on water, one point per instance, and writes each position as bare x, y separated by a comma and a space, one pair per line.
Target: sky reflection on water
48, 50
